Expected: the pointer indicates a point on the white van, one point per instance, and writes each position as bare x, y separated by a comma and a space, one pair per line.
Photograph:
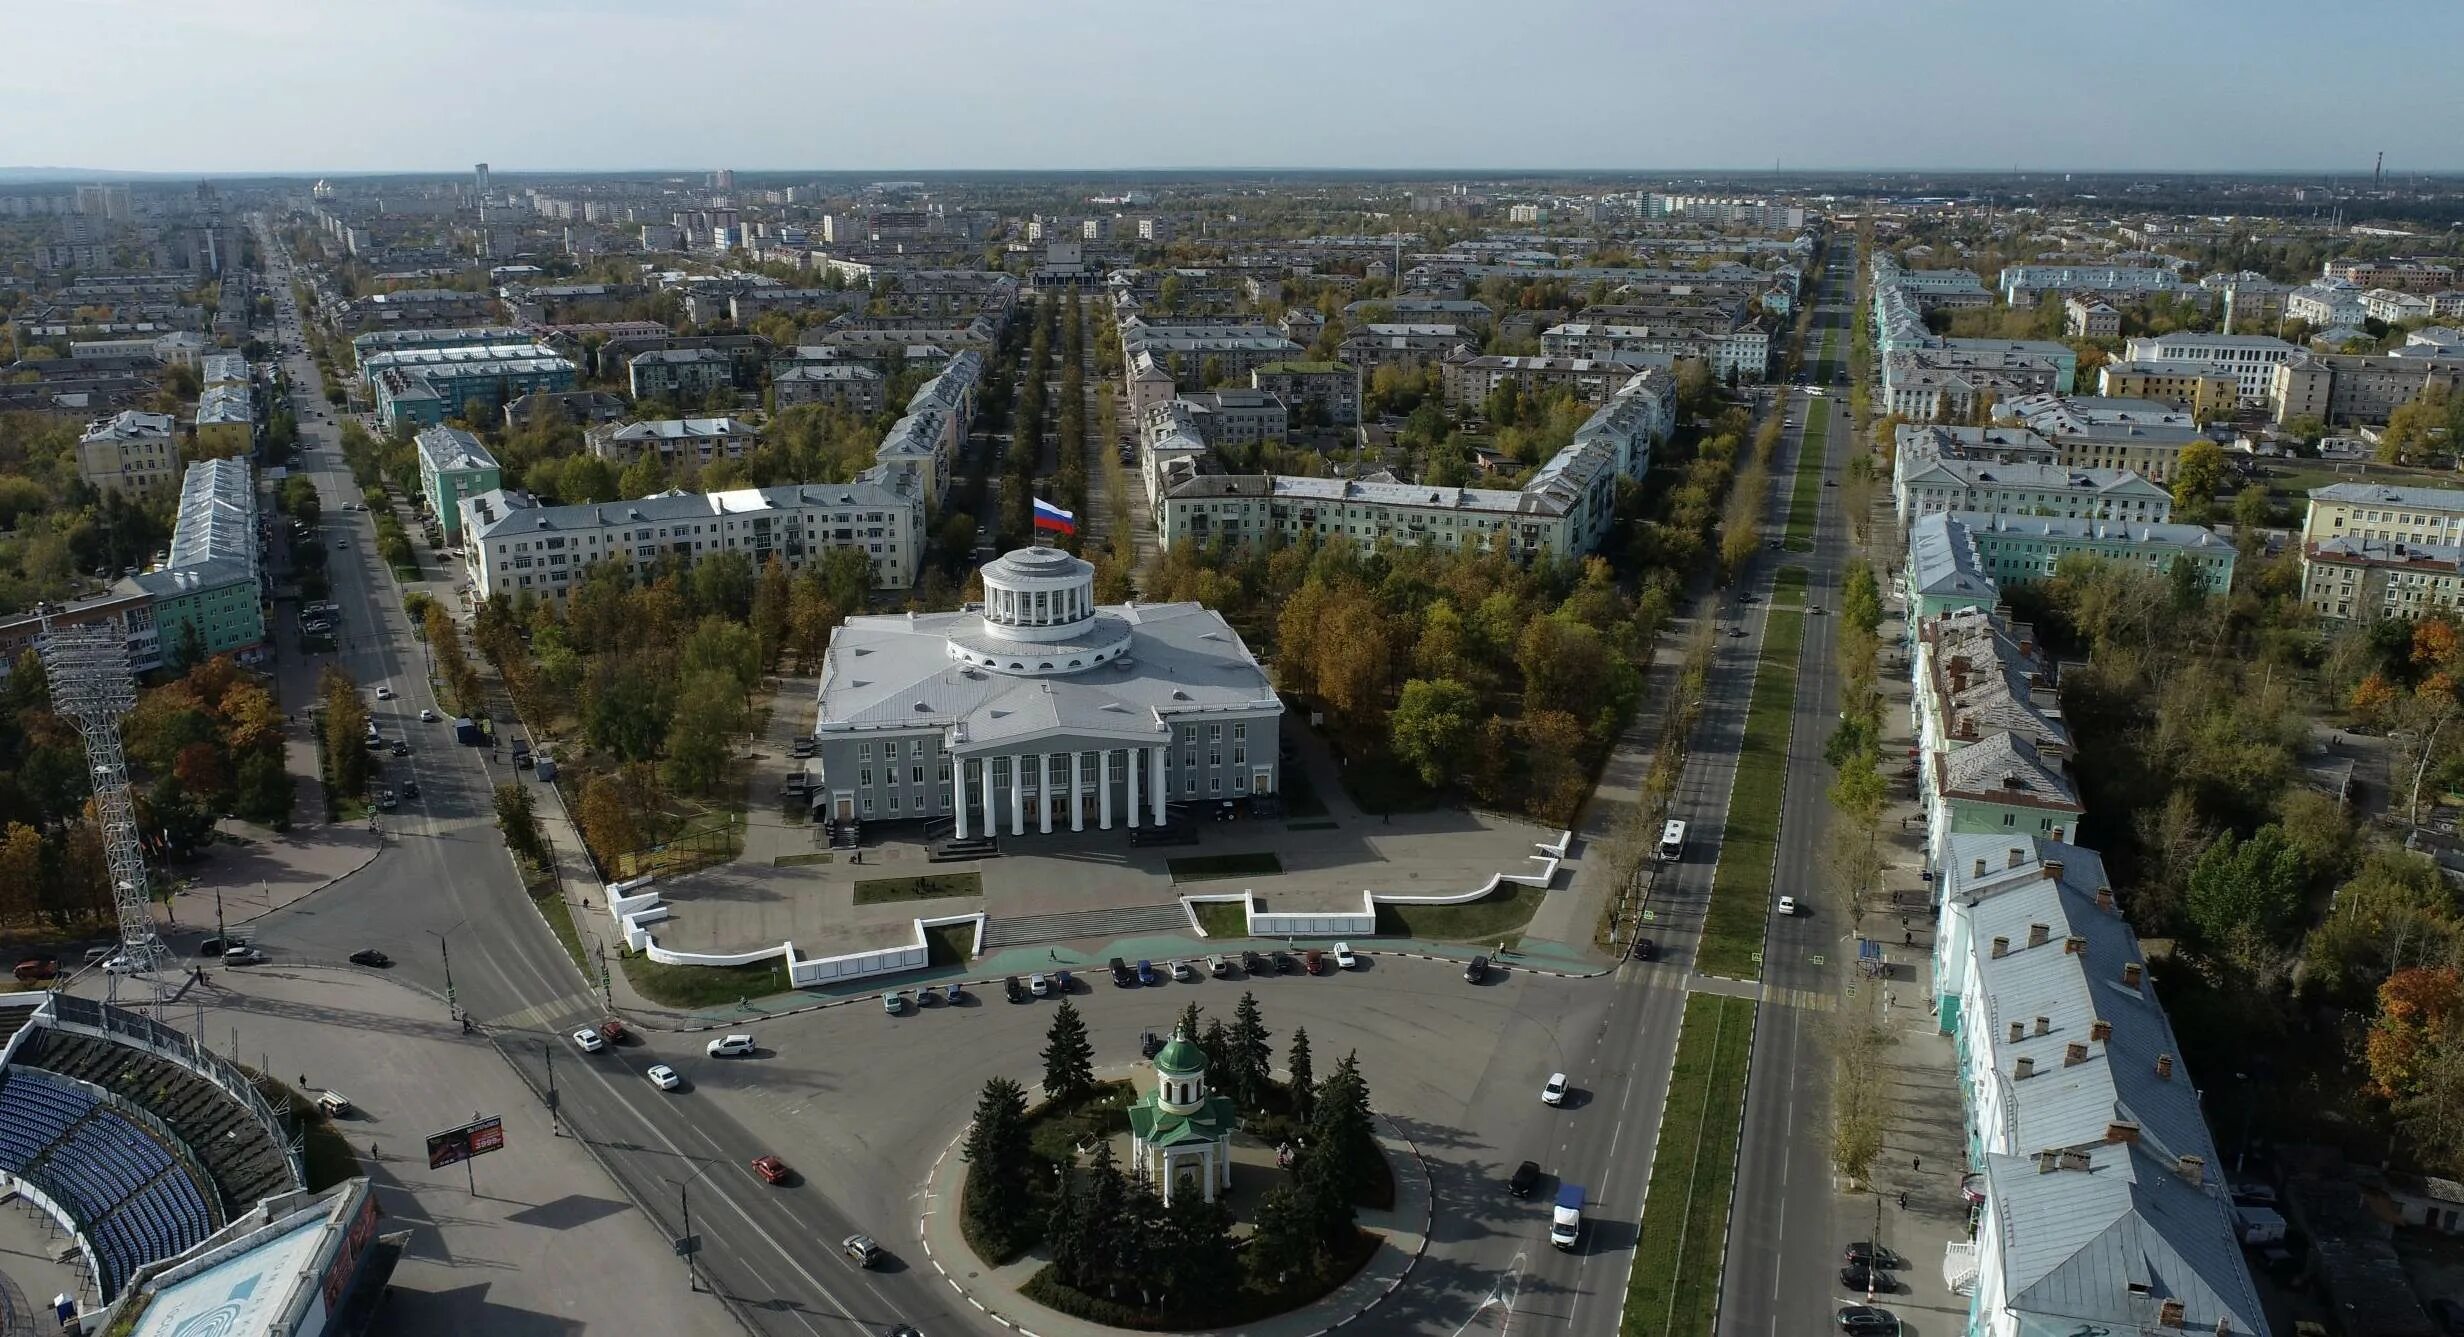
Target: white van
1672, 840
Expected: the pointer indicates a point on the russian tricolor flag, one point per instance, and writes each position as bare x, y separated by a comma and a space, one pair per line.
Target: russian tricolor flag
1049, 516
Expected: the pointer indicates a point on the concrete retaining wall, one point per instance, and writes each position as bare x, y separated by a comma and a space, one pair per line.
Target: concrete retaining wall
1363, 923
635, 907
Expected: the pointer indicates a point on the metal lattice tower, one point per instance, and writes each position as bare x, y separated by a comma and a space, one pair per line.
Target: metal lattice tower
92, 687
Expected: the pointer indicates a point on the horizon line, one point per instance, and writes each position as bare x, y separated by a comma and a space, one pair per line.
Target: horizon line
30, 174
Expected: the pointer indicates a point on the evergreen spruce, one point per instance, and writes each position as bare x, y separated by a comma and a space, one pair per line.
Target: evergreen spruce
999, 1159
1069, 1057
1252, 1057
1303, 1089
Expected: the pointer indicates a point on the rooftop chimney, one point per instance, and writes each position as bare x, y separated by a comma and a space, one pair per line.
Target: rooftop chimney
2100, 1029
1980, 868
2130, 974
2023, 1069
2019, 1031
2038, 933
2014, 856
2074, 945
2053, 870
2121, 1130
2104, 899
2193, 1169
2043, 1025
2169, 1314
2164, 1067
2074, 1054
2001, 948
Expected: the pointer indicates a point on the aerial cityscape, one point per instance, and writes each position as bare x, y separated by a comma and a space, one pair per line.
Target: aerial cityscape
1803, 683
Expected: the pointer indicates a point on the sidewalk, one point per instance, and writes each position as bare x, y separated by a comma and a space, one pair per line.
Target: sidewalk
995, 1289
1924, 1141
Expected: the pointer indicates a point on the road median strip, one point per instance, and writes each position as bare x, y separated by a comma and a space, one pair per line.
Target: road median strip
1674, 1289
1741, 883
1805, 497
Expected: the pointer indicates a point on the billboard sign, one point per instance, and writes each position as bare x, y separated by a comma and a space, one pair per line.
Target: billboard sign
476, 1138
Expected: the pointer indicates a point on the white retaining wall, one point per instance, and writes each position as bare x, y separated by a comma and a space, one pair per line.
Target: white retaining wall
635, 907
1363, 923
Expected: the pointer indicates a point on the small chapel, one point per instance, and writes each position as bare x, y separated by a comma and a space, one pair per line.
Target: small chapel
1180, 1135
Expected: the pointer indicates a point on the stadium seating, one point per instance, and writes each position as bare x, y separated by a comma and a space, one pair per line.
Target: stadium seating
244, 1161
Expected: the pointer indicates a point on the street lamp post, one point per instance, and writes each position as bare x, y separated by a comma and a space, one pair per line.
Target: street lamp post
446, 955
686, 1245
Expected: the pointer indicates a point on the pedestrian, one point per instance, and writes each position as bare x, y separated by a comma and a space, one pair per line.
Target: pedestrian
1916, 1162
1056, 953
374, 1154
1909, 939
1903, 1200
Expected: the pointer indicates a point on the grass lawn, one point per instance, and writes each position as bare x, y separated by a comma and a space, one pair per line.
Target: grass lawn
949, 944
923, 887
1217, 867
1675, 1285
1222, 919
1805, 498
545, 894
1496, 917
1741, 886
704, 986
1380, 784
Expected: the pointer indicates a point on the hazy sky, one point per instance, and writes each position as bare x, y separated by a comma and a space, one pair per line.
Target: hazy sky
231, 86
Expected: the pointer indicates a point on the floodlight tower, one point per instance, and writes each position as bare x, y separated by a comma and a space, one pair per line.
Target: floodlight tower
92, 687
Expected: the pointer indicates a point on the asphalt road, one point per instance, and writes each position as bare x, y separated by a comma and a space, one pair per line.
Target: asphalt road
445, 890
853, 1100
1782, 1259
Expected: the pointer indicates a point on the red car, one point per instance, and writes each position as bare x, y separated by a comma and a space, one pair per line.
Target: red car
771, 1169
1314, 961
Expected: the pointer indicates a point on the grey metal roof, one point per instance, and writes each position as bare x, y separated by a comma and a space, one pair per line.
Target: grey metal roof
896, 673
2064, 527
1943, 563
2004, 768
2383, 494
2034, 476
217, 515
2110, 1243
448, 449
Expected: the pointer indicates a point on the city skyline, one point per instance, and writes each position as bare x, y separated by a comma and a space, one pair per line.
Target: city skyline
1380, 86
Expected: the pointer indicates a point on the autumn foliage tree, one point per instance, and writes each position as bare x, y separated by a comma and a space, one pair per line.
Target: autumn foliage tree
2417, 1011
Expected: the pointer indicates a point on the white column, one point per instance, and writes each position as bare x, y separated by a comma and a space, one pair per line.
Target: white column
1155, 781
1129, 787
1018, 794
1077, 786
1103, 790
1043, 793
958, 772
991, 819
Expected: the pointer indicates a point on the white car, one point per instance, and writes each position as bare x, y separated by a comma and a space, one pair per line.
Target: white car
1184, 971
426, 716
894, 1002
1040, 985
665, 1078
122, 965
1788, 905
1555, 1092
729, 1046
589, 1041
384, 693
1344, 960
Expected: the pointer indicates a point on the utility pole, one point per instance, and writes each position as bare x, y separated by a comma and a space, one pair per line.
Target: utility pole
547, 1050
684, 1201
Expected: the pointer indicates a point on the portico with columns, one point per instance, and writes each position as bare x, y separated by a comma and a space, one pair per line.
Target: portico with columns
1040, 711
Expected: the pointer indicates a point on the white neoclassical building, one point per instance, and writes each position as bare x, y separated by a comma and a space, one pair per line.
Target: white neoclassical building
1040, 708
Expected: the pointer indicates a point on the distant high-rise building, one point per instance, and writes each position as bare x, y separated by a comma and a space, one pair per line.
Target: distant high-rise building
724, 178
479, 177
106, 202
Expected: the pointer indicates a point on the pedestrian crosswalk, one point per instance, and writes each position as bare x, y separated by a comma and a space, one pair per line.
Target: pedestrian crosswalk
556, 1014
1807, 1000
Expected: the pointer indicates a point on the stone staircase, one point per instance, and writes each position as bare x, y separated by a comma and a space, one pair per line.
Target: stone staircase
1073, 925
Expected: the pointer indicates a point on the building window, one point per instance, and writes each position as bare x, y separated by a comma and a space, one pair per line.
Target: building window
867, 779
2010, 819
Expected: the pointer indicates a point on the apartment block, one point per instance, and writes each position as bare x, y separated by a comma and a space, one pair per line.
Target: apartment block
514, 545
673, 440
2341, 389
1330, 389
130, 452
453, 465
2253, 357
